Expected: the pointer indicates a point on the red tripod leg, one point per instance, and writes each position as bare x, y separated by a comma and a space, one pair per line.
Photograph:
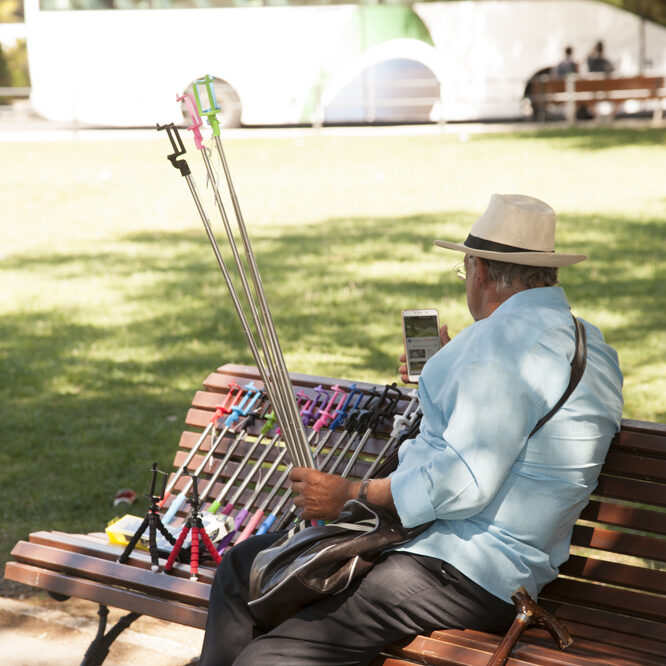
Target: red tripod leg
210, 547
194, 554
176, 549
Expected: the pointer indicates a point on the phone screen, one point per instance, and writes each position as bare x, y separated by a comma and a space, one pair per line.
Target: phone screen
421, 340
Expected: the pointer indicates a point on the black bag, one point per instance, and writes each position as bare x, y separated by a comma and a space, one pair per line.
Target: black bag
307, 565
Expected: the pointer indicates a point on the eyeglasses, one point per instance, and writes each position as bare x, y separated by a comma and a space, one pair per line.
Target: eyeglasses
460, 270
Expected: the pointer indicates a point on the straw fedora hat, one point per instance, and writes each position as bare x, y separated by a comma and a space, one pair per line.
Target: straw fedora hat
516, 229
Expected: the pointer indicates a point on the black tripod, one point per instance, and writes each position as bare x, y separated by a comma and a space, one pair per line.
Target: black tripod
153, 522
194, 523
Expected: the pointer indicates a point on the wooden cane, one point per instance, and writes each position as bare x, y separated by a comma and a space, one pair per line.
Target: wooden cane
529, 613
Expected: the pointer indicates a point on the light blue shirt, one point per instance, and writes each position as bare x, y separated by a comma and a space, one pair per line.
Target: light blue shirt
504, 505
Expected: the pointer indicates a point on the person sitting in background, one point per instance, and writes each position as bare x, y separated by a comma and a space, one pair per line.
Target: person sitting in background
597, 62
568, 65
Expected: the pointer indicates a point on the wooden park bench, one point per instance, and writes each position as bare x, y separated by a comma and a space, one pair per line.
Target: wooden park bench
610, 595
573, 92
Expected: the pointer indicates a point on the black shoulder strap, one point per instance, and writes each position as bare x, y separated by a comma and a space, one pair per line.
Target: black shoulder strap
577, 369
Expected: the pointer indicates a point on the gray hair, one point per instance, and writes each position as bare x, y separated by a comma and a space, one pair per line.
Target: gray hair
531, 276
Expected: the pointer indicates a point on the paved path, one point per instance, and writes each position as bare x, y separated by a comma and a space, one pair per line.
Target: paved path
37, 631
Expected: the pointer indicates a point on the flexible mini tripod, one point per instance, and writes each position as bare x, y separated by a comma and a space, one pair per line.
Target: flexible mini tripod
194, 523
153, 522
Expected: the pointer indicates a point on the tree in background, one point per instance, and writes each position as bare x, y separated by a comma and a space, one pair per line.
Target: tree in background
11, 11
13, 61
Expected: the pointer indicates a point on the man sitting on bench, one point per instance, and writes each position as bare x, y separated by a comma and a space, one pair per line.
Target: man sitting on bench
503, 500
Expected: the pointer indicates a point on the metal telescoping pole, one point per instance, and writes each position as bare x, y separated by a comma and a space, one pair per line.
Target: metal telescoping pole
232, 397
340, 416
375, 409
233, 478
243, 409
324, 415
251, 418
272, 366
243, 513
259, 514
355, 423
272, 518
184, 169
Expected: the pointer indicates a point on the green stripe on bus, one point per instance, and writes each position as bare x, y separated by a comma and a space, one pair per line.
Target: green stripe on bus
369, 25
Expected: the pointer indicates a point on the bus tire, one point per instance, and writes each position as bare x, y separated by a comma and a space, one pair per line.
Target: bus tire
227, 99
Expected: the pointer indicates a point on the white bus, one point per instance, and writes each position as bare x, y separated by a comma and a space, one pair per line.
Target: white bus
123, 62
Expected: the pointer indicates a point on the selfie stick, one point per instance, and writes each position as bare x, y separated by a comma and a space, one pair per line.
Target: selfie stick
183, 167
270, 361
341, 414
308, 413
251, 418
324, 415
240, 468
252, 395
232, 397
355, 422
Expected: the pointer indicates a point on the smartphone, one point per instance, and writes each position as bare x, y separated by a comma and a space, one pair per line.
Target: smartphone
420, 330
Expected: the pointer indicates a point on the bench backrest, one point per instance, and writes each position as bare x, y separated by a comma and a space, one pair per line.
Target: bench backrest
630, 87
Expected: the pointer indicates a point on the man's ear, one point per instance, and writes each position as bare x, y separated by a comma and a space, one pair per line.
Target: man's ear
479, 271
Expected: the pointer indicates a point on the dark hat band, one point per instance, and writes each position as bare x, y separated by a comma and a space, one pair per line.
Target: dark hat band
476, 243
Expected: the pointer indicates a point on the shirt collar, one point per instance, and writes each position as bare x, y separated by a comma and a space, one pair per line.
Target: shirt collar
539, 296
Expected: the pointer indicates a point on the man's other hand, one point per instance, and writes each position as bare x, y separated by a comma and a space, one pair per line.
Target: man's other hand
321, 496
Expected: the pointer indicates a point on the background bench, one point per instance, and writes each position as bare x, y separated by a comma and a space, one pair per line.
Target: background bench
574, 92
611, 594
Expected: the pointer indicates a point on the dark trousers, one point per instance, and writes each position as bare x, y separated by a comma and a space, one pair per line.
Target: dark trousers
402, 595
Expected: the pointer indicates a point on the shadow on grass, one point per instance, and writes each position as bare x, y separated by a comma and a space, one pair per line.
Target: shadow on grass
89, 403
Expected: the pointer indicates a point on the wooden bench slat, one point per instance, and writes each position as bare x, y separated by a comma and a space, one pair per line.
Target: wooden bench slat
207, 400
631, 490
644, 467
618, 600
249, 373
587, 651
619, 542
470, 648
635, 441
615, 573
616, 641
81, 543
74, 586
594, 617
112, 573
649, 428
635, 518
444, 652
538, 644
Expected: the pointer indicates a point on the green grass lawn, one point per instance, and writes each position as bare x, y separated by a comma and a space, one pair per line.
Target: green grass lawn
113, 311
